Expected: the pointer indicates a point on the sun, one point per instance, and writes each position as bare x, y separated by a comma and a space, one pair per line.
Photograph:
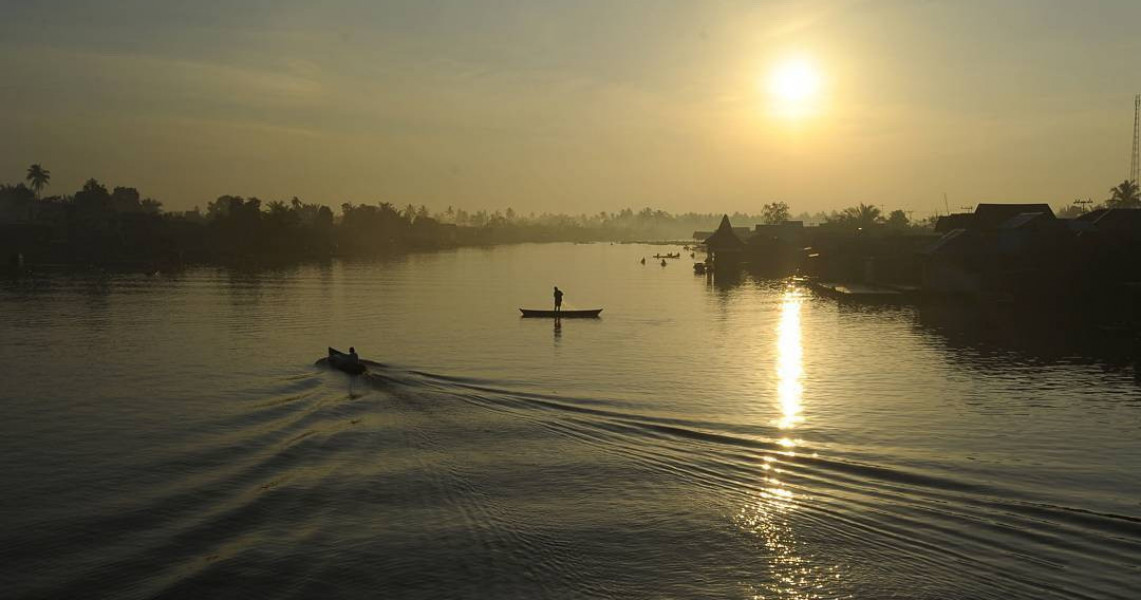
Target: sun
795, 81
794, 87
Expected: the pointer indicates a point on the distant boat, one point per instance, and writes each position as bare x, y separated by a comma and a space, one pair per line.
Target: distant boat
532, 313
344, 362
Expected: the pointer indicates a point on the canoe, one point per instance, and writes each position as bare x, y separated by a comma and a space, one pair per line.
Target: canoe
343, 362
531, 313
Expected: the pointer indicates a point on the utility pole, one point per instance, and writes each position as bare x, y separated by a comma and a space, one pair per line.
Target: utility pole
1135, 163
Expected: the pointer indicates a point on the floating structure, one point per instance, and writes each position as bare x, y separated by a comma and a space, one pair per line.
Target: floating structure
724, 245
859, 291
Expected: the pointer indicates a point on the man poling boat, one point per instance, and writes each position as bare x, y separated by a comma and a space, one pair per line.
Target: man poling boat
558, 312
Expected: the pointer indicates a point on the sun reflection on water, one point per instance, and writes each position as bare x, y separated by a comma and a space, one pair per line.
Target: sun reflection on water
790, 371
793, 573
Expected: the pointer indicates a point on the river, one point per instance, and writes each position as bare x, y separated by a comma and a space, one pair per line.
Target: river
169, 436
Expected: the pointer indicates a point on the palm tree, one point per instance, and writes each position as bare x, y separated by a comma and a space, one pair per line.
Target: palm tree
863, 215
38, 177
1124, 195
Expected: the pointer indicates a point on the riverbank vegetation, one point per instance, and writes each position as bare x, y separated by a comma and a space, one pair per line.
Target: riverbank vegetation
99, 224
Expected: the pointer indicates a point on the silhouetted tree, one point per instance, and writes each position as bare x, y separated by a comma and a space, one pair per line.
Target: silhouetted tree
16, 203
897, 219
38, 177
92, 222
861, 215
775, 212
1124, 195
96, 225
126, 200
235, 226
151, 206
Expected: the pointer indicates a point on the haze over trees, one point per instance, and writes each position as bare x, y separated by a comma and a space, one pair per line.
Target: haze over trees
1123, 195
96, 224
861, 215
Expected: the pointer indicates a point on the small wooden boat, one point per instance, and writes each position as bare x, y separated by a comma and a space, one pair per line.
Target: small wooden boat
532, 313
345, 362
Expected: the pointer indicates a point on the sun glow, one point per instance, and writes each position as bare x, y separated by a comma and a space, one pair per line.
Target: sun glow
794, 88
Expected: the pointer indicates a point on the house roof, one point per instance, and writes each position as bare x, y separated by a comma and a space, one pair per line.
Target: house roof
954, 241
777, 226
1026, 219
1092, 215
956, 221
1079, 225
725, 237
992, 216
1116, 219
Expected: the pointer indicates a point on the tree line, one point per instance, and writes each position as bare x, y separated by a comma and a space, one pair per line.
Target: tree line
98, 224
853, 217
102, 224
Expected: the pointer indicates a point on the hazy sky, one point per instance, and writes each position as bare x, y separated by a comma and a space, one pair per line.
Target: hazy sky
573, 106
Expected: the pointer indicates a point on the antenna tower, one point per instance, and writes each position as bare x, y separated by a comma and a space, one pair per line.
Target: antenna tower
1135, 164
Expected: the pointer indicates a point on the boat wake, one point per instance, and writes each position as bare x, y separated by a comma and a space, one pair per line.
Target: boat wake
429, 485
851, 509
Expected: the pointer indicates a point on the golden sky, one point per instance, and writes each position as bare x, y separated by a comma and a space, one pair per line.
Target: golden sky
575, 106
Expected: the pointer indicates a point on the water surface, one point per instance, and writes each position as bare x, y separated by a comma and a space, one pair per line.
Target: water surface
170, 436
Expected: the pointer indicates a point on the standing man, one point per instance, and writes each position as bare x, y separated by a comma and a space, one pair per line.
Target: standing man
558, 299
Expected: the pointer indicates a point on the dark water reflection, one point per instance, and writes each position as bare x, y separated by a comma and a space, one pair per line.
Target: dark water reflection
727, 437
989, 333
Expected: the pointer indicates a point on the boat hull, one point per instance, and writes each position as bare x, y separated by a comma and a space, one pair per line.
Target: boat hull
530, 313
343, 362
